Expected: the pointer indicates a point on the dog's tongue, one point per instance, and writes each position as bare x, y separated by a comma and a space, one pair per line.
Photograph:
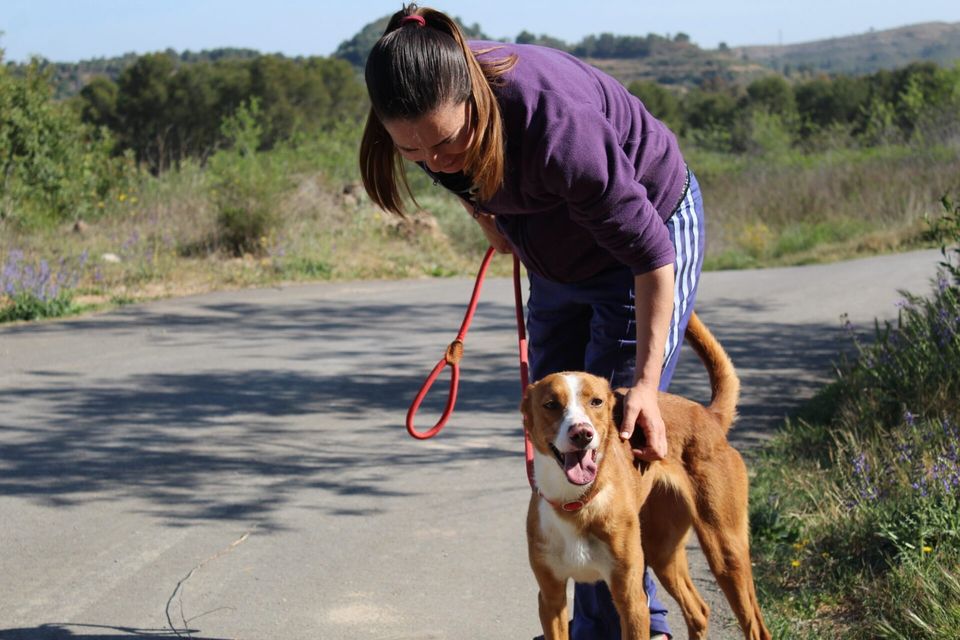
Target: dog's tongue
580, 466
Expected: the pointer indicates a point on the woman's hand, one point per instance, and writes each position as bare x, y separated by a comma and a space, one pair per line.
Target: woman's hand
653, 299
640, 408
488, 225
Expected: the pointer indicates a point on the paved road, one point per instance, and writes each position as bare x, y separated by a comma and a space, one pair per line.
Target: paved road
234, 465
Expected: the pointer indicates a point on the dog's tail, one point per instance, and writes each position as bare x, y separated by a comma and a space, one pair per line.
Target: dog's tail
724, 383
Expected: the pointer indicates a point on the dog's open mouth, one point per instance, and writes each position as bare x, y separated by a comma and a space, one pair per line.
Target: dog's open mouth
580, 465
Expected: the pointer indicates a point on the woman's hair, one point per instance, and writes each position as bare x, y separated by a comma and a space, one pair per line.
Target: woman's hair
420, 63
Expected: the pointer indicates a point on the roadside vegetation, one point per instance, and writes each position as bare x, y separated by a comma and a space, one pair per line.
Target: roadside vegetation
855, 506
182, 174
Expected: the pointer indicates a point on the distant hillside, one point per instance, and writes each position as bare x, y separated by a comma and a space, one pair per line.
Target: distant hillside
678, 61
865, 53
694, 67
666, 60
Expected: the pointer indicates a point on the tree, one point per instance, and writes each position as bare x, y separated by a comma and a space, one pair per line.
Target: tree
99, 103
663, 104
52, 166
823, 102
166, 111
709, 110
525, 37
144, 102
772, 94
193, 114
543, 40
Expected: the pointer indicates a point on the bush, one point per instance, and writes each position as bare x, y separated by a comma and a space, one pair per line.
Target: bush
245, 185
946, 231
52, 167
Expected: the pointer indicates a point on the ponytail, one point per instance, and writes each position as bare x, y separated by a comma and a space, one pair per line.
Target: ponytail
421, 63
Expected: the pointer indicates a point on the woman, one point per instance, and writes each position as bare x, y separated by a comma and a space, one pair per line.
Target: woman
564, 167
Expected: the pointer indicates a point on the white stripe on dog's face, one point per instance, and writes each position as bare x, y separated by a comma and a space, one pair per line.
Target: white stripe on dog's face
573, 413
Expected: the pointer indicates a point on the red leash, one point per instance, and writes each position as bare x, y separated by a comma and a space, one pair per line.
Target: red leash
454, 354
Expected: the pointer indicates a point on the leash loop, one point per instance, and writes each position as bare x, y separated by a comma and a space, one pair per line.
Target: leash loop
451, 356
454, 353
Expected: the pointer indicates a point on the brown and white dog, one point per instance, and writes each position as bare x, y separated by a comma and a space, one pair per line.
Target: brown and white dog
583, 522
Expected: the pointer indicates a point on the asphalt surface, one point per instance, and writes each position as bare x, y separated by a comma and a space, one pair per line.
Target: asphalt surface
234, 465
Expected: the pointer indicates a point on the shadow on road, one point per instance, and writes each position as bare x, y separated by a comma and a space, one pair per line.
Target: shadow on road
186, 442
65, 631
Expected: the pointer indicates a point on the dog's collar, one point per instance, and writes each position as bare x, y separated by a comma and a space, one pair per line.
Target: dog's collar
573, 505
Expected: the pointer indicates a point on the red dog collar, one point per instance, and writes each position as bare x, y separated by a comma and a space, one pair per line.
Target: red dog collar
573, 505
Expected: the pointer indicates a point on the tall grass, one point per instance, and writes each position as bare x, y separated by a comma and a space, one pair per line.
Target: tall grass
855, 509
795, 208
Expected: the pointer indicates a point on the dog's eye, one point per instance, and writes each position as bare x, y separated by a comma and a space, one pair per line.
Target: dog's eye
551, 405
596, 402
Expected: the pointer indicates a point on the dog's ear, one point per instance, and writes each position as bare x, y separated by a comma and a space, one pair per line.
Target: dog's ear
525, 404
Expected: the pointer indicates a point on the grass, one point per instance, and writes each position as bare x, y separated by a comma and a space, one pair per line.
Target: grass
821, 206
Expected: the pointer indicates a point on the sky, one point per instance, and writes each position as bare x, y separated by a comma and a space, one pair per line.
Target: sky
72, 30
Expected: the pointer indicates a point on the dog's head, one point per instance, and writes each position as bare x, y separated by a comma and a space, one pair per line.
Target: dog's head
569, 416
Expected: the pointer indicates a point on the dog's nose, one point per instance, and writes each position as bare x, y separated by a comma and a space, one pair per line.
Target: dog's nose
581, 434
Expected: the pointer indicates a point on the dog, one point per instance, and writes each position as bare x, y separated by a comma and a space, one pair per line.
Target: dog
598, 514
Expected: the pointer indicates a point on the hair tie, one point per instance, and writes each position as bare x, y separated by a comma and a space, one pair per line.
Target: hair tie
420, 20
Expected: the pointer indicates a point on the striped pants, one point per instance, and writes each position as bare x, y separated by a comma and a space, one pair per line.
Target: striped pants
590, 326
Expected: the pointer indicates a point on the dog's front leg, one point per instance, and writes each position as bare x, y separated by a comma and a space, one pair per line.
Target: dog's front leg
553, 606
552, 598
626, 587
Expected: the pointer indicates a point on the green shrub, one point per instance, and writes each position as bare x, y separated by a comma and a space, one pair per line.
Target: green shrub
946, 231
52, 167
27, 306
245, 186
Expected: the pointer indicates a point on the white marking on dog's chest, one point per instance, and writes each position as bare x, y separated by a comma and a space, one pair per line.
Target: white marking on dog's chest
571, 554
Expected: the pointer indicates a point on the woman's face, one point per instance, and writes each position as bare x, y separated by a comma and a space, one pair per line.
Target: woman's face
440, 139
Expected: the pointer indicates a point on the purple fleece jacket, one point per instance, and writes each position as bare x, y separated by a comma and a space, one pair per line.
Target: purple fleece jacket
590, 175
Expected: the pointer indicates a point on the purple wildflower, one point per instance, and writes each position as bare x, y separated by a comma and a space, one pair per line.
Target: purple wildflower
39, 280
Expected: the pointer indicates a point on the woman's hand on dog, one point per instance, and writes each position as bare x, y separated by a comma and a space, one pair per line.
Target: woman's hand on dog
640, 408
